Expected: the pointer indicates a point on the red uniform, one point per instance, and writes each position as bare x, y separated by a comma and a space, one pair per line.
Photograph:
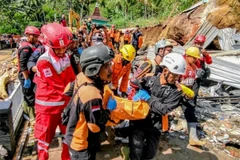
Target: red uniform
190, 75
204, 59
53, 75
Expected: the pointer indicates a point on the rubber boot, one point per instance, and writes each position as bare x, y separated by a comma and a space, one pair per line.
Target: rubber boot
29, 110
193, 139
125, 152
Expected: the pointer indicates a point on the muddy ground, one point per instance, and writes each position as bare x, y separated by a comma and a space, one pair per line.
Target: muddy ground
172, 149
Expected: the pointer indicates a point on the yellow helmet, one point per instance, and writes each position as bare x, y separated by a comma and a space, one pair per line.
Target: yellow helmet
128, 52
193, 52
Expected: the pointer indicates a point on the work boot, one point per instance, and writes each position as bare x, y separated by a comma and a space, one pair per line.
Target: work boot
125, 152
193, 139
111, 135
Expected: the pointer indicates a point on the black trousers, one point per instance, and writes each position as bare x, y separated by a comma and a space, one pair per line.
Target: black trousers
143, 143
189, 112
82, 155
136, 47
28, 93
195, 88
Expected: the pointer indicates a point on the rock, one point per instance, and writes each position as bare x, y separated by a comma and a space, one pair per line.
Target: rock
226, 14
182, 27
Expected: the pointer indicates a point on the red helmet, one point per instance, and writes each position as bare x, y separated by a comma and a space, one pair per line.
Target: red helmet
55, 36
200, 39
42, 28
41, 39
69, 33
32, 30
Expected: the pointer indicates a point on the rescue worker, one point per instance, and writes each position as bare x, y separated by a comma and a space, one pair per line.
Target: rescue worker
87, 116
163, 94
34, 57
72, 50
201, 63
112, 32
54, 72
127, 37
37, 53
188, 107
26, 48
135, 38
117, 35
63, 21
121, 69
162, 48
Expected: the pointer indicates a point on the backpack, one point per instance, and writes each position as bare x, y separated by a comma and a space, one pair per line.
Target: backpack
65, 115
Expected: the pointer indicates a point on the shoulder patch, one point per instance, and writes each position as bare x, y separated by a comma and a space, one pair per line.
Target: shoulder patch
47, 72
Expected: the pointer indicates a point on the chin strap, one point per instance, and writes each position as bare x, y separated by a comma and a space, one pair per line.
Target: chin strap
162, 55
166, 77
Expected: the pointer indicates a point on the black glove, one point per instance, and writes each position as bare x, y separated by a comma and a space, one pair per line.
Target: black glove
200, 73
115, 92
124, 95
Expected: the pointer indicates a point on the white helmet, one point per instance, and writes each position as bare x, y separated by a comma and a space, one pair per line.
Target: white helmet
175, 63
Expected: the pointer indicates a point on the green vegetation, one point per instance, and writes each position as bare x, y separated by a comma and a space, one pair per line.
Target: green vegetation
15, 15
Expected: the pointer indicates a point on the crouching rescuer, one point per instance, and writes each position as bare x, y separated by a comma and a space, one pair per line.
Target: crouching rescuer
163, 94
87, 116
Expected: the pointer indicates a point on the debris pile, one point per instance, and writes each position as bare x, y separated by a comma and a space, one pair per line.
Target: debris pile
218, 125
8, 78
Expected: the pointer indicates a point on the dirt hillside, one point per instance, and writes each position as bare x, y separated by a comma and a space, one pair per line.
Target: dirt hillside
220, 13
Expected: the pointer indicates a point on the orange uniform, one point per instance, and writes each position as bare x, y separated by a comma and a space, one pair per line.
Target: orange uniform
127, 37
120, 71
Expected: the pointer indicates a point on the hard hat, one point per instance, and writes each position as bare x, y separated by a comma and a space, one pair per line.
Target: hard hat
41, 39
128, 52
175, 63
42, 28
69, 33
162, 44
193, 52
200, 39
55, 36
92, 58
32, 30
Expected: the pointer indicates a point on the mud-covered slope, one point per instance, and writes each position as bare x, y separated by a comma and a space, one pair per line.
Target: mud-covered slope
221, 13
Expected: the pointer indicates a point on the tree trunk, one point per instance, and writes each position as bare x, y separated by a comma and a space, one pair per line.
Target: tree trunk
145, 11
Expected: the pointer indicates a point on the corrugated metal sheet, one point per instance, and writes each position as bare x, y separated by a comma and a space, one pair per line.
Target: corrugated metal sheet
236, 37
225, 71
236, 46
225, 38
206, 29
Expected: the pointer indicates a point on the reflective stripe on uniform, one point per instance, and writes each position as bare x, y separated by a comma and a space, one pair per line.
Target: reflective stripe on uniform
45, 143
41, 148
47, 103
59, 66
